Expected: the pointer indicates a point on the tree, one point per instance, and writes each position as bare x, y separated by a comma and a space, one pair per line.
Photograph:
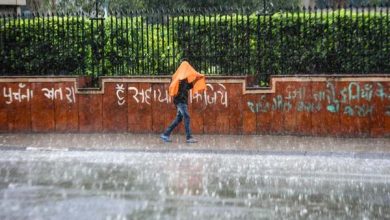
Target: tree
126, 5
356, 3
132, 5
41, 5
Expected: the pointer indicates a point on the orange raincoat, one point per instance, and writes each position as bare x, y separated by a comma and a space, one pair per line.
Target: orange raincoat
186, 71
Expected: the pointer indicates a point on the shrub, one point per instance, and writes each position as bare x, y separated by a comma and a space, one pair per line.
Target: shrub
339, 41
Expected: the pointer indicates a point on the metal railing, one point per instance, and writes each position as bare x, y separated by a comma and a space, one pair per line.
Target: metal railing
223, 41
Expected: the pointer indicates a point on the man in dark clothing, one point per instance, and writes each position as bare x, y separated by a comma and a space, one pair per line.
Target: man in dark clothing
181, 103
182, 96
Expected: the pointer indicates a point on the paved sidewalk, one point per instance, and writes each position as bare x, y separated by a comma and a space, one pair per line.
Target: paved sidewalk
240, 144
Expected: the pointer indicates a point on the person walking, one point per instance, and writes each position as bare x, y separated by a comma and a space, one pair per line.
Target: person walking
184, 79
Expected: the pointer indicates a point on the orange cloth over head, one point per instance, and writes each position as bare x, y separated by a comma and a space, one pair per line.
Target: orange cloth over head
186, 71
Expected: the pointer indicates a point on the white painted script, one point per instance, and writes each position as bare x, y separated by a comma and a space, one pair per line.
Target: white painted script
57, 94
215, 94
22, 93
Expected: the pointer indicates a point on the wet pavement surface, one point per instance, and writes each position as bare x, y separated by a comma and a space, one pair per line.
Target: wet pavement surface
241, 144
129, 176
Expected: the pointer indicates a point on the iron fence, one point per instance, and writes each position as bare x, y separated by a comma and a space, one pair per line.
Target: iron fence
227, 41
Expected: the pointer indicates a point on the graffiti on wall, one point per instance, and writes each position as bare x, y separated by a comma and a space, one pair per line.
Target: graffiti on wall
215, 94
24, 94
60, 94
351, 100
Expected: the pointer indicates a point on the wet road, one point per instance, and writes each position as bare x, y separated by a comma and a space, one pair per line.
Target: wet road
241, 144
124, 176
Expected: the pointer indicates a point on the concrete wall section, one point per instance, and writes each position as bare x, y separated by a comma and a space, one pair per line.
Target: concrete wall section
299, 105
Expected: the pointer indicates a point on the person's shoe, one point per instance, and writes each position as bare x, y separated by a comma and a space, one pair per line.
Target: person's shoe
165, 138
191, 140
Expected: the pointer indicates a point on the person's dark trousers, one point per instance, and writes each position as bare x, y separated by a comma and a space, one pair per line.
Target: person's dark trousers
182, 112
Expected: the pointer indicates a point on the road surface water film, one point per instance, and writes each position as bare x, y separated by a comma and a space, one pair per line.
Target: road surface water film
36, 184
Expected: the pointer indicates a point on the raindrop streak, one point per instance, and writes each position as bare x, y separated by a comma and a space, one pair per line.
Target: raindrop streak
54, 184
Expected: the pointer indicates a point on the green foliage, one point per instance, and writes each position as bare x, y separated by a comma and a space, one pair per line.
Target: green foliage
286, 43
72, 6
43, 45
340, 41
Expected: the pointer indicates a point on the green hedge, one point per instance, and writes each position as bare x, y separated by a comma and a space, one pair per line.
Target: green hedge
342, 41
287, 43
43, 46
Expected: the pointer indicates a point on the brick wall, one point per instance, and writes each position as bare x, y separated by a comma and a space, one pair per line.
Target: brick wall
299, 105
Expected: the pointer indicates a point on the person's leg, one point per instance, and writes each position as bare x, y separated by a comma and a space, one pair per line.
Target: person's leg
183, 108
178, 119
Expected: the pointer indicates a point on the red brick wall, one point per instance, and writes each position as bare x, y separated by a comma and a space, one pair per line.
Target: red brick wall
300, 105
